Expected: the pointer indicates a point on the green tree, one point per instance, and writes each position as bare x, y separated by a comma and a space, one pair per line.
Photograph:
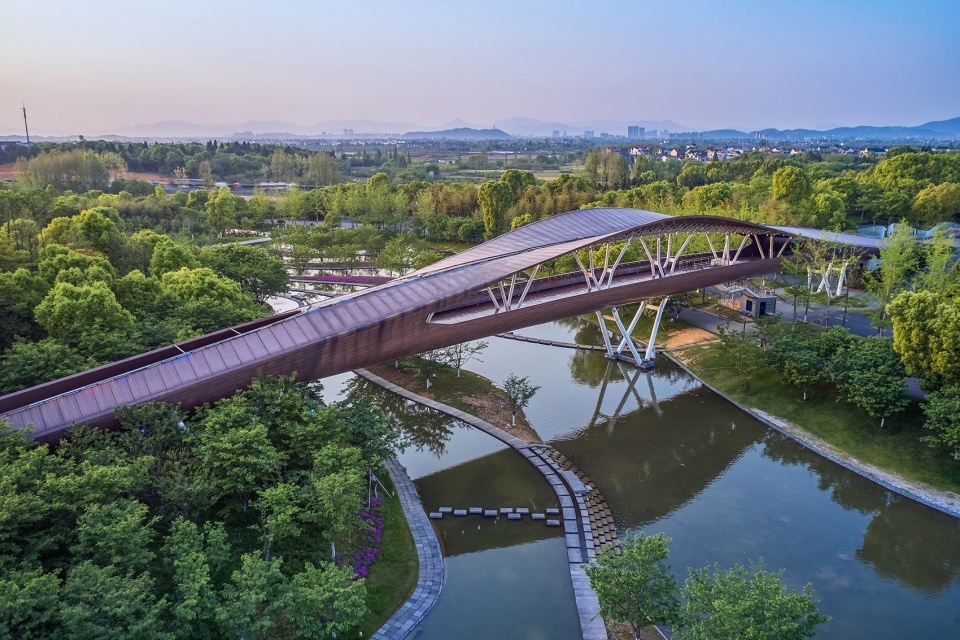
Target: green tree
171, 256
791, 185
635, 587
942, 408
261, 274
28, 603
221, 209
747, 605
494, 198
101, 603
926, 334
742, 350
798, 361
325, 600
69, 311
519, 391
458, 355
899, 261
871, 376
251, 604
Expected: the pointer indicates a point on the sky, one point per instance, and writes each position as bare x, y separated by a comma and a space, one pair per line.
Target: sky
94, 67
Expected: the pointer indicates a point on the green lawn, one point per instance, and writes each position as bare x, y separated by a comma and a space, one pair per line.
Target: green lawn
393, 576
895, 448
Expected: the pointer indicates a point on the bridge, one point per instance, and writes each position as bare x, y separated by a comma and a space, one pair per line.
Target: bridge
488, 289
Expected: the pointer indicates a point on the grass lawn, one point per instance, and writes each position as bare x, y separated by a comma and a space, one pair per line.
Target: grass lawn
393, 576
895, 448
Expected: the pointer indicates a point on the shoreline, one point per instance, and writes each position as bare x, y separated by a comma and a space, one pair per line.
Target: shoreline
943, 501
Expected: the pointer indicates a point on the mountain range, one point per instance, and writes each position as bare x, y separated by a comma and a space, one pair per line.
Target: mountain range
502, 129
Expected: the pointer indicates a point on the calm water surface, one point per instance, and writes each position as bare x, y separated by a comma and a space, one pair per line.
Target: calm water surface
671, 456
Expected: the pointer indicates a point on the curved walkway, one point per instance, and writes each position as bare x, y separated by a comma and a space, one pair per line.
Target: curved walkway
570, 494
430, 580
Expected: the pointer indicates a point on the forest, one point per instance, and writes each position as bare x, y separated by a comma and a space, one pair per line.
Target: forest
251, 518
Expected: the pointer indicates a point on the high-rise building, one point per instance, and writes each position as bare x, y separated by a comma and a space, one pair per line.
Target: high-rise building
588, 134
556, 133
635, 133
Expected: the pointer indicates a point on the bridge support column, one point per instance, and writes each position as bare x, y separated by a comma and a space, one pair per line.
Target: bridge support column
626, 335
606, 336
651, 353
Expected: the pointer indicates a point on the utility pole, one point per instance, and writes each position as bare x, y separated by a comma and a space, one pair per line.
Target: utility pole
27, 129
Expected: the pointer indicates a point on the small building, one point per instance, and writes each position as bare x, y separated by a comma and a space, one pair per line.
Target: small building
750, 303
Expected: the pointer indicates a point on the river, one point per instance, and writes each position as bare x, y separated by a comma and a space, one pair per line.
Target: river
669, 456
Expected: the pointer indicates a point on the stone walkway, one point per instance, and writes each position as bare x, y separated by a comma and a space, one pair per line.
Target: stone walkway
577, 528
430, 580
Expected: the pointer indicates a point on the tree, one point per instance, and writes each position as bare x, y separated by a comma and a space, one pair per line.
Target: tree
791, 185
798, 362
942, 408
871, 376
28, 603
494, 198
99, 602
251, 604
747, 605
635, 587
926, 334
458, 355
171, 256
742, 350
519, 391
325, 600
69, 311
899, 261
221, 209
261, 274
206, 173
238, 452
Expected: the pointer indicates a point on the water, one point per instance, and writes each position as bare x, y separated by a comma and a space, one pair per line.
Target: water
671, 456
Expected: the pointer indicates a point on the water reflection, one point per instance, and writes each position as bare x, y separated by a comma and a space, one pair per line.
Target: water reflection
422, 428
727, 489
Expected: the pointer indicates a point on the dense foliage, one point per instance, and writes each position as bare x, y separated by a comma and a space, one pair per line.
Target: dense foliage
215, 525
635, 586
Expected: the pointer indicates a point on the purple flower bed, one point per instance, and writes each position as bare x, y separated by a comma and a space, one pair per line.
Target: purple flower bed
370, 533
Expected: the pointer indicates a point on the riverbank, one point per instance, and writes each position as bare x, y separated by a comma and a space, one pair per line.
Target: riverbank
469, 392
894, 458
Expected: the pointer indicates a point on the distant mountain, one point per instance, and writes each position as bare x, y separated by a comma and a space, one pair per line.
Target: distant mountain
179, 128
462, 133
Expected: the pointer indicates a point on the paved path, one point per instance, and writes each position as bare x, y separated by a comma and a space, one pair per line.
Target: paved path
430, 580
577, 529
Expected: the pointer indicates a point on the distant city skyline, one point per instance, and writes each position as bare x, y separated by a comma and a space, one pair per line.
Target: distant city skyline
97, 67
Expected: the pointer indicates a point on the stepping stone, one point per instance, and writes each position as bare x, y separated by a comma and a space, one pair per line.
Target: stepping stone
553, 523
475, 511
460, 512
513, 516
538, 516
435, 515
523, 510
490, 513
446, 509
553, 511
506, 510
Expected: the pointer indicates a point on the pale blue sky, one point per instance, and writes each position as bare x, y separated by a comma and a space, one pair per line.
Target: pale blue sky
93, 66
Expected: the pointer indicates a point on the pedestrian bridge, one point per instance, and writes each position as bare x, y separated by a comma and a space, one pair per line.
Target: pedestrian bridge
568, 264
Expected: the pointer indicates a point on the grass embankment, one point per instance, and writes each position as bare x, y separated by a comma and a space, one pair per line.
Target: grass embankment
470, 392
895, 448
393, 576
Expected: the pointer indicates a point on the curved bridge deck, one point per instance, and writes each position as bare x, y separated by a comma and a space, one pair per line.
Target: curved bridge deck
489, 289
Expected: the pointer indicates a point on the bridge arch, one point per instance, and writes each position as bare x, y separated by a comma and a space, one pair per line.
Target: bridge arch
463, 297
